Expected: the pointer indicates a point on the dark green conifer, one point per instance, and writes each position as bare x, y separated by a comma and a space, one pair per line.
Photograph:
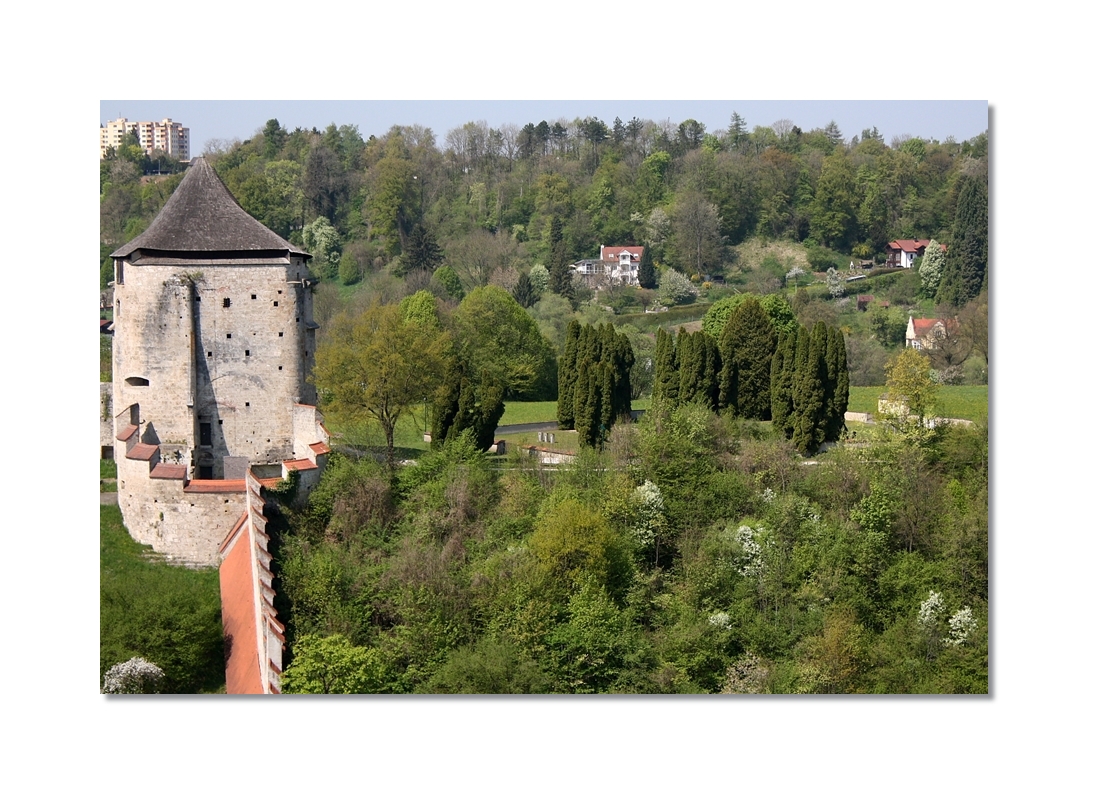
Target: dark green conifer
666, 378
561, 279
524, 293
782, 374
647, 272
809, 408
567, 374
690, 359
748, 342
968, 252
836, 392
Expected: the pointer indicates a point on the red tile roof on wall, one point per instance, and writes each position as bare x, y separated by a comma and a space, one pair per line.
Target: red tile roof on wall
242, 668
214, 486
143, 451
300, 464
166, 471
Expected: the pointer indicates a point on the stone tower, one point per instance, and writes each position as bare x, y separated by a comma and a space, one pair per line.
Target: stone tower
213, 346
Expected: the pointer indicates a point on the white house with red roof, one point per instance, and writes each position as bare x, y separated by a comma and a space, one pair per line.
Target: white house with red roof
902, 252
922, 334
619, 264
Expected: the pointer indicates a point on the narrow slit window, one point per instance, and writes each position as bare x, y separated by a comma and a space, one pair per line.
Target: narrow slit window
226, 302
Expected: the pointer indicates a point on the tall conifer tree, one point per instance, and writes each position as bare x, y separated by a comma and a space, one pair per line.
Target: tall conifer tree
666, 377
809, 408
782, 374
647, 272
749, 342
567, 374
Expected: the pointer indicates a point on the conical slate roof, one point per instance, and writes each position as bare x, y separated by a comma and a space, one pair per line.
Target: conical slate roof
202, 216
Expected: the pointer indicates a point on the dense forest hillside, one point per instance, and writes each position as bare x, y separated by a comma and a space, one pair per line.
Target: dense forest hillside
488, 199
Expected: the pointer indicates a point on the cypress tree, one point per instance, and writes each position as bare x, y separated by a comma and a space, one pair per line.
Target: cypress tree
712, 370
586, 401
445, 407
607, 398
840, 397
749, 342
782, 373
561, 280
690, 359
524, 293
727, 375
567, 374
666, 376
582, 410
809, 407
647, 272
968, 252
624, 363
836, 387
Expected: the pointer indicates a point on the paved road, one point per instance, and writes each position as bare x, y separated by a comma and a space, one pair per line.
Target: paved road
522, 428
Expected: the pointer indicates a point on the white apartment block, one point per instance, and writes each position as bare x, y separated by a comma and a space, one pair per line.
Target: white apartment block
167, 136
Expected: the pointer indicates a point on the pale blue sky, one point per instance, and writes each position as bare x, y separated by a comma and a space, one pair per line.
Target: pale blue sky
240, 119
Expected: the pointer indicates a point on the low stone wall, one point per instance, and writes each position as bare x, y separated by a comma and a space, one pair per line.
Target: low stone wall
186, 527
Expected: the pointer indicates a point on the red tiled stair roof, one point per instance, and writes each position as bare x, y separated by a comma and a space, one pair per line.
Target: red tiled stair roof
299, 464
163, 471
126, 433
143, 451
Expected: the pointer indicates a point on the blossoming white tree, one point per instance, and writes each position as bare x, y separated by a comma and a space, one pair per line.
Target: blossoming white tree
135, 676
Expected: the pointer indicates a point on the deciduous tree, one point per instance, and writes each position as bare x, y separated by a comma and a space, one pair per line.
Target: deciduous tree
378, 366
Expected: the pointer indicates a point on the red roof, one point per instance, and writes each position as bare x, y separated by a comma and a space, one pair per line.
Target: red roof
610, 254
143, 451
299, 464
319, 448
215, 486
163, 471
908, 245
242, 668
922, 327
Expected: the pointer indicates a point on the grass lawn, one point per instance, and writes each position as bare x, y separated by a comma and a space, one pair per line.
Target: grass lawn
962, 402
167, 614
563, 441
529, 411
108, 472
543, 411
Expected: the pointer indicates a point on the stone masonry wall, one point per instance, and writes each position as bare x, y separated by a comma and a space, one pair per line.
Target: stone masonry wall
187, 528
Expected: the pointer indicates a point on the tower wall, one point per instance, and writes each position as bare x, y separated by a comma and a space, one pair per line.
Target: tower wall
152, 351
253, 357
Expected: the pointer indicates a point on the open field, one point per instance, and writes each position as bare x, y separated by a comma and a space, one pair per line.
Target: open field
962, 402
